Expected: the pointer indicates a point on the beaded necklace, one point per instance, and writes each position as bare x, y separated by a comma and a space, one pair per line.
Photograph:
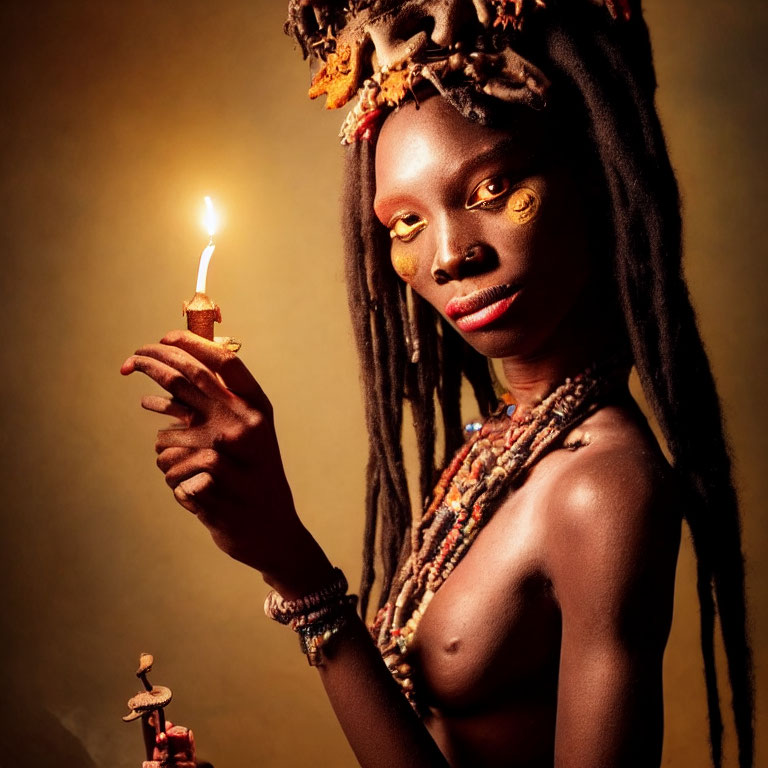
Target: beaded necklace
498, 453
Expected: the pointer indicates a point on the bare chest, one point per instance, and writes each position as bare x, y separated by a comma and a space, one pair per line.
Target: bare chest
491, 636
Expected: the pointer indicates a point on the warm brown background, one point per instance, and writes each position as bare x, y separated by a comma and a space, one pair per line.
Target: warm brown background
118, 118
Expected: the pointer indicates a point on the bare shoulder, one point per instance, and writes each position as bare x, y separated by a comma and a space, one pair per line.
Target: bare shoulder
611, 515
611, 462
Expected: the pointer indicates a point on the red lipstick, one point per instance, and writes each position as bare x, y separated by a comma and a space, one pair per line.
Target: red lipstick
481, 308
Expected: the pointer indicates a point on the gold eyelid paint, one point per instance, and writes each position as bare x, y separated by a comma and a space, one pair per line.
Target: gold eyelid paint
405, 231
405, 264
523, 205
482, 194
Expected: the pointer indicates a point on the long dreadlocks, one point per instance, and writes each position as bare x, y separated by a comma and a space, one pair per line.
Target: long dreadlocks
606, 77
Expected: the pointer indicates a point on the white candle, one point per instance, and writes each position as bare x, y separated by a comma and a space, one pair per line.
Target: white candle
210, 222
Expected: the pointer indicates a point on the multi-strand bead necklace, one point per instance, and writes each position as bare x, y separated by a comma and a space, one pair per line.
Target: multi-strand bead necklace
499, 453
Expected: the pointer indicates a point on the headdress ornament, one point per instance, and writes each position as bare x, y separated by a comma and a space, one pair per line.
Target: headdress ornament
383, 49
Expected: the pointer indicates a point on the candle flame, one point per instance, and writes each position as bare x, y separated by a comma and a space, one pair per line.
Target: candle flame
210, 218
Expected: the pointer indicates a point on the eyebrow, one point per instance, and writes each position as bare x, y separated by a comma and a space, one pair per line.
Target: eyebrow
502, 150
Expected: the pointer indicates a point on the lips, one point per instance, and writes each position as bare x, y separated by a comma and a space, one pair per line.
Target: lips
481, 308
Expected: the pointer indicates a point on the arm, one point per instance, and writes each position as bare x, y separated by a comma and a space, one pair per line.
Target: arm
381, 727
615, 541
223, 463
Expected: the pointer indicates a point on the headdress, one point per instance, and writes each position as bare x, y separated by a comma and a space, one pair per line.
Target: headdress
383, 49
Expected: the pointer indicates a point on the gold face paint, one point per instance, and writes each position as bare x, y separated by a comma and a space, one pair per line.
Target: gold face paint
406, 228
405, 264
523, 205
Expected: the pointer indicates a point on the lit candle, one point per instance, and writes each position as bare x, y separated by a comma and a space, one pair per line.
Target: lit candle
201, 312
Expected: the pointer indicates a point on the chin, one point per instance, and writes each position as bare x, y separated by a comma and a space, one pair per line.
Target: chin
511, 339
499, 343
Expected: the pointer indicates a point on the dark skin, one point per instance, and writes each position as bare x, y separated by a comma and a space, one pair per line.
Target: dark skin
545, 646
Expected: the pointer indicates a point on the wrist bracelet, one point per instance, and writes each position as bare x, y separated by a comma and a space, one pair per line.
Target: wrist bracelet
284, 611
314, 638
317, 617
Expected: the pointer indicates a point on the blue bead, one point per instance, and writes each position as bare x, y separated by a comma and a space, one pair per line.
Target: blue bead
511, 409
473, 426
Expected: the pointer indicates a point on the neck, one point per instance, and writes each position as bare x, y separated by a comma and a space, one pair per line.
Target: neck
585, 336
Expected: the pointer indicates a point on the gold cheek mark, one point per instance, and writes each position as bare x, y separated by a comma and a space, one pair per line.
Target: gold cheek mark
405, 264
523, 205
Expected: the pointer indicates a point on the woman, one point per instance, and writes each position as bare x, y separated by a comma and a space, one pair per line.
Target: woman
508, 162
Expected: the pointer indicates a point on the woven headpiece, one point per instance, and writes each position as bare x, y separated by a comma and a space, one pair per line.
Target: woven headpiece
383, 49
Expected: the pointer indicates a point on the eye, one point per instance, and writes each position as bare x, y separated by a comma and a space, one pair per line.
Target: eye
489, 192
407, 227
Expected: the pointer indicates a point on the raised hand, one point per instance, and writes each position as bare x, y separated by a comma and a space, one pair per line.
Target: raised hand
222, 459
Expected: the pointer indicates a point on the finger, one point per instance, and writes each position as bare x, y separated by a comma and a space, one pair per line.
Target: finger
168, 407
188, 502
192, 437
233, 345
190, 367
227, 364
195, 462
236, 440
196, 493
230, 480
170, 379
170, 456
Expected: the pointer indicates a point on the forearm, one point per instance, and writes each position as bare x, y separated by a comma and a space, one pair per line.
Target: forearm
224, 465
380, 725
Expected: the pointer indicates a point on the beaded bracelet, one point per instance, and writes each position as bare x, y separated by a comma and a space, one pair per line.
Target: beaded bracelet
316, 617
315, 637
284, 611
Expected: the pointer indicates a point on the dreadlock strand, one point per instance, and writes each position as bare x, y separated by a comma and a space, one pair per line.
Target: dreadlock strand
423, 400
372, 489
358, 232
390, 359
388, 355
660, 322
387, 363
359, 301
702, 453
707, 614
